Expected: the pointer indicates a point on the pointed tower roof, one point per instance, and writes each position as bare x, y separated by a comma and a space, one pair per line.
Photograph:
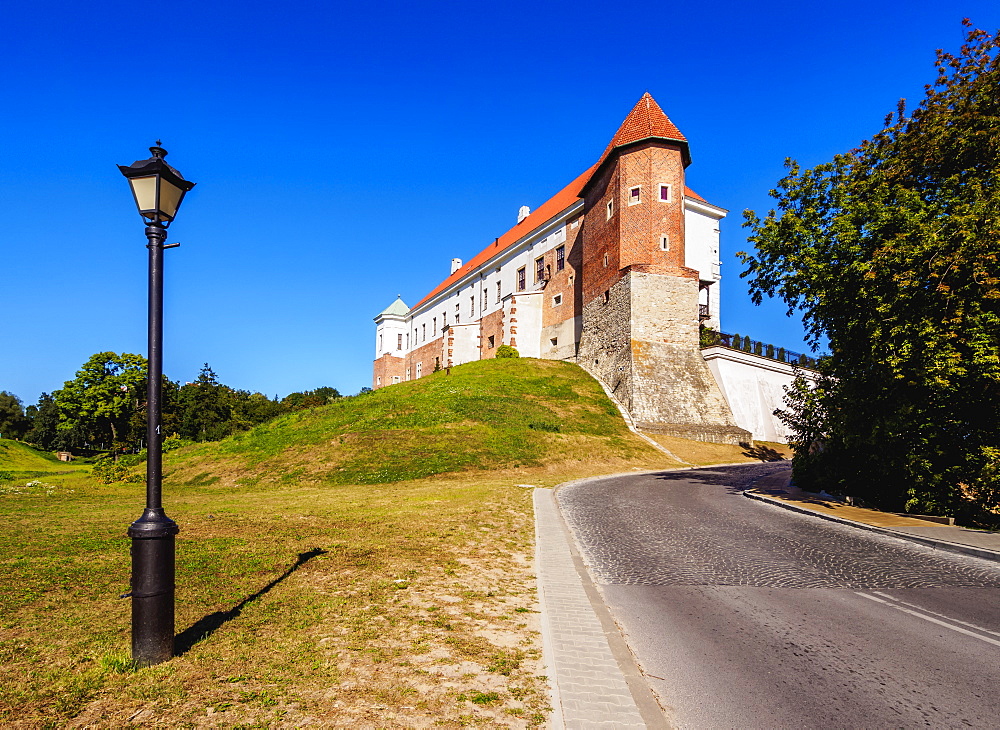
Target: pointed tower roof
396, 309
645, 121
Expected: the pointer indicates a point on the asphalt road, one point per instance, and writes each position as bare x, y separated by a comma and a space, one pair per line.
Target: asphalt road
744, 615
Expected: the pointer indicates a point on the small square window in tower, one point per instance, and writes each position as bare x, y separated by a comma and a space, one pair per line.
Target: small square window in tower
664, 242
521, 279
665, 194
560, 258
539, 269
611, 208
490, 340
635, 195
557, 300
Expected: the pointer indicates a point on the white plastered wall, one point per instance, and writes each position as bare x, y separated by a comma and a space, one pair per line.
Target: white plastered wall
754, 387
701, 250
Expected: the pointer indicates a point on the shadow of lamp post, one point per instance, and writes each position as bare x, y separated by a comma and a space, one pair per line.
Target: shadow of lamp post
158, 190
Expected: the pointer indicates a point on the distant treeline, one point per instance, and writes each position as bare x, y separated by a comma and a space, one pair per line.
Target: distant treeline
104, 408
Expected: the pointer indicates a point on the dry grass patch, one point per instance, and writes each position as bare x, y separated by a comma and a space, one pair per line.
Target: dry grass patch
701, 453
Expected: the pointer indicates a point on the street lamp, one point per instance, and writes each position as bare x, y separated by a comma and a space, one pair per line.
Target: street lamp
158, 190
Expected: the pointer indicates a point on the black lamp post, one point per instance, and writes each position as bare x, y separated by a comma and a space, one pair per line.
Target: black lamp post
158, 190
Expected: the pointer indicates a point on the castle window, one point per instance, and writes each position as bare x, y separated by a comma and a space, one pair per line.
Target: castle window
498, 292
557, 300
399, 342
490, 341
520, 279
458, 314
423, 328
607, 296
605, 259
664, 242
419, 367
635, 195
380, 342
444, 320
554, 341
485, 299
560, 258
472, 306
434, 327
611, 208
539, 269
665, 193
407, 373
395, 379
378, 380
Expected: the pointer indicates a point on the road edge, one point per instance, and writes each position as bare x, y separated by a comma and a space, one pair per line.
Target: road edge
951, 547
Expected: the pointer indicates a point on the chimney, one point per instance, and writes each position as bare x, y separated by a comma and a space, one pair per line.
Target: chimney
456, 264
523, 212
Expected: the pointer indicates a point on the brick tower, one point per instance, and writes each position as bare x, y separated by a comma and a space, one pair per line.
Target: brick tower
640, 311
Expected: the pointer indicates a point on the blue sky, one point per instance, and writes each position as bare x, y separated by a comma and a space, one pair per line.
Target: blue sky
345, 152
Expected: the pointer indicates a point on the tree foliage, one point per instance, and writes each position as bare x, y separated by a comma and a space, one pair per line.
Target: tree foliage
98, 404
13, 423
890, 252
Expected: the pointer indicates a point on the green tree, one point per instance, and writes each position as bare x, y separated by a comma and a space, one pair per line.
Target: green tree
311, 398
13, 423
99, 402
890, 253
204, 408
44, 430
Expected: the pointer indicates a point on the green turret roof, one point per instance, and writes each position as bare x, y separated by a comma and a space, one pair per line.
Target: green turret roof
397, 308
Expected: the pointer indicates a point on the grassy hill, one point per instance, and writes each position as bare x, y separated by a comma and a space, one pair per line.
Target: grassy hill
487, 415
19, 460
364, 564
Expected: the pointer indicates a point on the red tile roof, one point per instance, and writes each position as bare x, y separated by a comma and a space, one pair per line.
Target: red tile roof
645, 120
538, 217
688, 192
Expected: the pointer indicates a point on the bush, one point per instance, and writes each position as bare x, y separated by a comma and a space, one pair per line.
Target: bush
758, 348
107, 471
781, 354
737, 342
770, 351
507, 351
708, 337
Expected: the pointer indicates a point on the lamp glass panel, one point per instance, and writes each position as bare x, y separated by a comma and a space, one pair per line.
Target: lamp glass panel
144, 189
170, 198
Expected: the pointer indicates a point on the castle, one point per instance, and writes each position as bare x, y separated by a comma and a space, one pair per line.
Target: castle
615, 272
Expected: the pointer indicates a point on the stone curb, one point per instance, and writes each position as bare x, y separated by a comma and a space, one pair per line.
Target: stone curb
952, 547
